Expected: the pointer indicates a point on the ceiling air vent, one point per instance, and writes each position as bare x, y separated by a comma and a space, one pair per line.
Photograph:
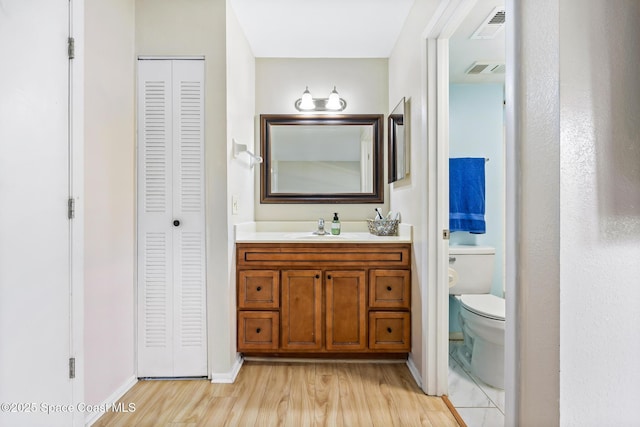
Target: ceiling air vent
486, 68
491, 26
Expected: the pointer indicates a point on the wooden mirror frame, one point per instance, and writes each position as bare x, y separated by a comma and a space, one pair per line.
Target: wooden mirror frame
397, 147
269, 120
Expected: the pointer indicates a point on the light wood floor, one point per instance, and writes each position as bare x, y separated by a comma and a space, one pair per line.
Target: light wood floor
287, 394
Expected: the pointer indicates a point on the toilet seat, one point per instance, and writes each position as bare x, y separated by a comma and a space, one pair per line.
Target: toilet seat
485, 305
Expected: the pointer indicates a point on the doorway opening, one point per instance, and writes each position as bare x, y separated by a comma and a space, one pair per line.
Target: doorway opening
450, 88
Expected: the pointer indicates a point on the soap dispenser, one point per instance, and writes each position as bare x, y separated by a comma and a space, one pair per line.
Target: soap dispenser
335, 224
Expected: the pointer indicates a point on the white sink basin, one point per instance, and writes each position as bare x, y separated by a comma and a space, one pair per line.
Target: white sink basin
305, 235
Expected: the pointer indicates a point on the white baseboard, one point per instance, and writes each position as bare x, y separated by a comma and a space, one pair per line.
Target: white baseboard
228, 377
92, 417
414, 371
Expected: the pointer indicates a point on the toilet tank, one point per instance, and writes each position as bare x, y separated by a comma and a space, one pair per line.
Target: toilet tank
471, 269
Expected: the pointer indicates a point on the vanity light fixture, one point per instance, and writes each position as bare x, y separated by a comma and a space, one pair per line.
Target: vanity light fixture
331, 104
242, 148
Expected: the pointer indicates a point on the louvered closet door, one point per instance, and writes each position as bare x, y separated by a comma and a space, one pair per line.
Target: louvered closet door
171, 241
190, 347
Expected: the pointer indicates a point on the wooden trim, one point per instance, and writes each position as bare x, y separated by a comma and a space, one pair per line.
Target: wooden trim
396, 357
375, 120
328, 254
454, 411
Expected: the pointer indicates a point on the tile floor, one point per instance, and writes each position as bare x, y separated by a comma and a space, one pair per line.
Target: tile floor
479, 404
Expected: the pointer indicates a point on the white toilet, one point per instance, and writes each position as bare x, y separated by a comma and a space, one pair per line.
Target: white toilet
481, 313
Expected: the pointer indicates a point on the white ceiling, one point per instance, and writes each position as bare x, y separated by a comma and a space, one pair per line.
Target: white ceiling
357, 29
322, 28
463, 51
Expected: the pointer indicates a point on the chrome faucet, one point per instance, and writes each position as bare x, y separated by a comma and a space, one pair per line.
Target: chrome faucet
320, 231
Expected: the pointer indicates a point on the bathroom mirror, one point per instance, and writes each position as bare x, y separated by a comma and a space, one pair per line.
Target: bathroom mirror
321, 159
397, 138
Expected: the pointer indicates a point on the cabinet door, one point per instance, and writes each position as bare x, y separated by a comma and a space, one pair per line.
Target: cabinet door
301, 311
346, 315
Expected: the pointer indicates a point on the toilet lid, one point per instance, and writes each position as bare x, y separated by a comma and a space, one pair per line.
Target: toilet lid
485, 305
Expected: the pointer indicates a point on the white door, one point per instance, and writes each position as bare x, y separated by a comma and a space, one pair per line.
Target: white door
171, 222
35, 278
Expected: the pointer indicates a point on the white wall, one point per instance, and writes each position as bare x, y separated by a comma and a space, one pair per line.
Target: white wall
579, 212
198, 27
409, 196
363, 83
599, 213
109, 198
476, 129
536, 290
241, 78
240, 126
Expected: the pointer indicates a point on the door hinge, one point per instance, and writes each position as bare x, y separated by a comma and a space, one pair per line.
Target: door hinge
72, 367
446, 234
71, 47
71, 208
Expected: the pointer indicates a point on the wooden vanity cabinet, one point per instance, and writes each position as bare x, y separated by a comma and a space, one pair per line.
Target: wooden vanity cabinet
323, 299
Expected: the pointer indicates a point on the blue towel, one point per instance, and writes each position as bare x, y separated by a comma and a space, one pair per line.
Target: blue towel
466, 195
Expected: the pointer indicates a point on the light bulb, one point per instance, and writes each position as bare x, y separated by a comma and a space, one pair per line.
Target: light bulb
334, 100
306, 103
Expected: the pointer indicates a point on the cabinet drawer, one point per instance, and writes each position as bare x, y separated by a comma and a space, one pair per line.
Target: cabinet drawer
389, 289
259, 289
258, 330
332, 255
389, 330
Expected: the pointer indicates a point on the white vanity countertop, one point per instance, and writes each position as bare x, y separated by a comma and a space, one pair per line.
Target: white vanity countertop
302, 232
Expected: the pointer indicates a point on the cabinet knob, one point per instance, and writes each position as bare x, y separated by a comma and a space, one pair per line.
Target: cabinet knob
259, 288
258, 330
329, 276
389, 330
388, 288
317, 276
176, 222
